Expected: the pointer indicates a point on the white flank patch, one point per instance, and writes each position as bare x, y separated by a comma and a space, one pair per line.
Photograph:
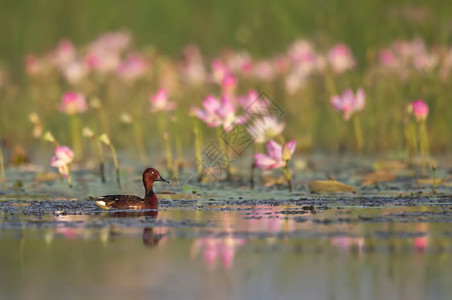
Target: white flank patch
101, 204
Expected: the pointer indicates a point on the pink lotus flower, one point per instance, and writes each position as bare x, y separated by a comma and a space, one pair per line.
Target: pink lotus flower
132, 68
241, 62
301, 51
264, 70
75, 72
102, 61
420, 110
73, 103
252, 104
33, 65
341, 58
64, 54
219, 70
265, 129
282, 64
426, 61
61, 160
388, 58
349, 103
293, 82
218, 113
159, 102
193, 67
113, 41
277, 155
229, 82
104, 53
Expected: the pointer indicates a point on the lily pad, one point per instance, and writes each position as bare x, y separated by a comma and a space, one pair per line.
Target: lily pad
429, 181
389, 165
329, 186
379, 176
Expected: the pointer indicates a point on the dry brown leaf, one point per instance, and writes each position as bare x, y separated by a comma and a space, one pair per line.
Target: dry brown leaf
429, 181
329, 186
379, 176
389, 165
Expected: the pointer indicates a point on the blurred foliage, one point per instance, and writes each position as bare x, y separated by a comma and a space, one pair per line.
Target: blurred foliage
262, 27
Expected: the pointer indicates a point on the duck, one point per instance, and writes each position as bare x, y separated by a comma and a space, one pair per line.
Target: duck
150, 201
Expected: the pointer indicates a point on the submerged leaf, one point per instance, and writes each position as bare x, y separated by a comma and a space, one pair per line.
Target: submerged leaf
329, 186
47, 176
379, 176
173, 196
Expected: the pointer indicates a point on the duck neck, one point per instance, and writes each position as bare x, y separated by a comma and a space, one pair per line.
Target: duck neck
150, 197
149, 191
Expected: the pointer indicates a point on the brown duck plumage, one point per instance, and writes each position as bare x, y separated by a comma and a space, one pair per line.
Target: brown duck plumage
149, 201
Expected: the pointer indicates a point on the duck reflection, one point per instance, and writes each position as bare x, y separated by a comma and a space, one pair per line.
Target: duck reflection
151, 236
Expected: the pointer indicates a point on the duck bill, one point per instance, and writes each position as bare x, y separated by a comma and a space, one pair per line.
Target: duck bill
160, 178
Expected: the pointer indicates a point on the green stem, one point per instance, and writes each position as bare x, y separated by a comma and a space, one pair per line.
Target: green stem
412, 141
197, 134
69, 177
115, 162
410, 145
2, 169
423, 139
166, 138
358, 133
280, 139
226, 153
75, 132
178, 140
253, 169
434, 179
287, 175
330, 84
139, 141
100, 152
169, 154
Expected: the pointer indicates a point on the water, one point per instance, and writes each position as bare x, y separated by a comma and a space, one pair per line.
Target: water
227, 243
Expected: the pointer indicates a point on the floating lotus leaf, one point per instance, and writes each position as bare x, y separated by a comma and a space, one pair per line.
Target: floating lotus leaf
429, 181
329, 186
379, 176
389, 165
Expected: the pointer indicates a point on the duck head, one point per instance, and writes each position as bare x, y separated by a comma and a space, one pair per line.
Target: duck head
150, 176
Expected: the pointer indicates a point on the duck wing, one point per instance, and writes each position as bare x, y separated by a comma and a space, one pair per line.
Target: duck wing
118, 201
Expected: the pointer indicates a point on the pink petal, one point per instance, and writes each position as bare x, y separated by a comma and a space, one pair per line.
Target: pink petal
160, 96
337, 102
264, 161
274, 150
227, 107
360, 100
291, 145
253, 95
211, 104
